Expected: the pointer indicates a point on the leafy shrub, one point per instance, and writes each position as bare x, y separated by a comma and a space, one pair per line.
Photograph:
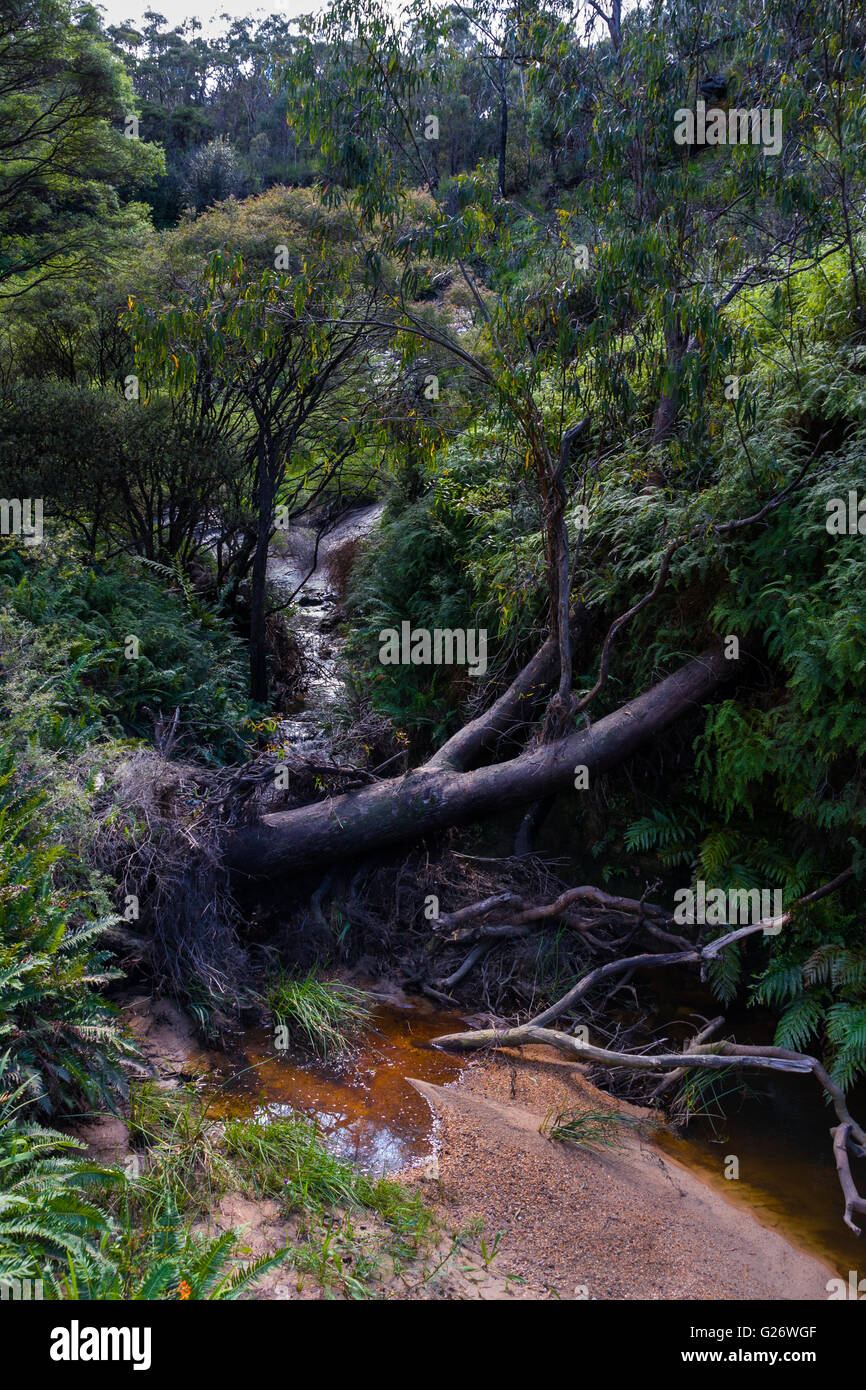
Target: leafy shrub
64, 628
47, 1215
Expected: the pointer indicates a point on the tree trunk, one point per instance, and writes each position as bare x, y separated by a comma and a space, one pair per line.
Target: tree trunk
511, 709
614, 24
678, 346
431, 799
667, 409
258, 583
503, 126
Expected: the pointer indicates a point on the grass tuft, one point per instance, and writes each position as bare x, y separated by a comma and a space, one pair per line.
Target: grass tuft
586, 1129
323, 1015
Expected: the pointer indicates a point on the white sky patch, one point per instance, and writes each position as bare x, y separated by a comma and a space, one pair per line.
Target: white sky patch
213, 19
216, 17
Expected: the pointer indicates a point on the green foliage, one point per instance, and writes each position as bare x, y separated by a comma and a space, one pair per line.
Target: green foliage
323, 1015
820, 993
50, 1214
412, 572
140, 476
66, 171
167, 1261
61, 1038
212, 174
287, 1158
87, 1232
585, 1129
702, 1095
457, 257
670, 832
64, 627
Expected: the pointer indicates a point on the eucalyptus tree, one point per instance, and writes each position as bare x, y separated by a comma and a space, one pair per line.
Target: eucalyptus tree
702, 186
69, 166
361, 88
616, 334
684, 239
278, 350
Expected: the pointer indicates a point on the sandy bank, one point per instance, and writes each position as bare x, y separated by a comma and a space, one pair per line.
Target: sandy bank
623, 1223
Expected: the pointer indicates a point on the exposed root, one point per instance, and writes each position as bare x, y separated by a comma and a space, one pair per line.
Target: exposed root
701, 1055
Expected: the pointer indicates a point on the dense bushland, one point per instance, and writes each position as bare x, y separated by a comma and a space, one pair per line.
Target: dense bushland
611, 389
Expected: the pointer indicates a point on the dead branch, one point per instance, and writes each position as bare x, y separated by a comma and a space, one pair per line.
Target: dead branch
853, 1200
701, 1037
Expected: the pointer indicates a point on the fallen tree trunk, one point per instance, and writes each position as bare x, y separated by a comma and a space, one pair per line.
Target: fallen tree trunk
432, 799
478, 734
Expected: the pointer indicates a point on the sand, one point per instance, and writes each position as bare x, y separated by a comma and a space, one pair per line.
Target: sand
621, 1223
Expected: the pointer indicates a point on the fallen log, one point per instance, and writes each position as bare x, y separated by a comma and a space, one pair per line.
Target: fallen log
432, 799
470, 741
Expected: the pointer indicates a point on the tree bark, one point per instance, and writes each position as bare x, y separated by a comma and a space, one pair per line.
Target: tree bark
258, 582
668, 406
503, 126
429, 800
511, 708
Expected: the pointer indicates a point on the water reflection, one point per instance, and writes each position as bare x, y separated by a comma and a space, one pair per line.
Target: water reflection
787, 1176
366, 1109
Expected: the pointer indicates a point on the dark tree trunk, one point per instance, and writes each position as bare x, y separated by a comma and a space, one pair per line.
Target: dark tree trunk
667, 409
614, 24
678, 347
258, 582
431, 799
503, 126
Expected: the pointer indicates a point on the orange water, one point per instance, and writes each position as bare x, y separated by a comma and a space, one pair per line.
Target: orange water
365, 1106
368, 1112
787, 1176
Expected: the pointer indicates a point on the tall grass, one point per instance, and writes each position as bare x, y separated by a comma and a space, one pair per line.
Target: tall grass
322, 1015
286, 1158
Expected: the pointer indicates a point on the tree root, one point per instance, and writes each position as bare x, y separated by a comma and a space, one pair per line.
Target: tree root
699, 1054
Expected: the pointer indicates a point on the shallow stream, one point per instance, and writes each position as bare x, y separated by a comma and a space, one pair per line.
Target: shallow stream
366, 1108
370, 1113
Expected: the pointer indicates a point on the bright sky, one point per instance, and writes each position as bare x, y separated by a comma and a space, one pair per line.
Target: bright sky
210, 11
207, 11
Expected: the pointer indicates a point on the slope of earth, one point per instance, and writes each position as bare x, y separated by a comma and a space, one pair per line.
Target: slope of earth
619, 1223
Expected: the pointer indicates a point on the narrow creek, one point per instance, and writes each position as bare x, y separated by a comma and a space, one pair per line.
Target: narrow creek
316, 620
370, 1113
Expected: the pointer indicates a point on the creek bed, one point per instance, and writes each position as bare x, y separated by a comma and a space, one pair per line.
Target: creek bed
365, 1107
